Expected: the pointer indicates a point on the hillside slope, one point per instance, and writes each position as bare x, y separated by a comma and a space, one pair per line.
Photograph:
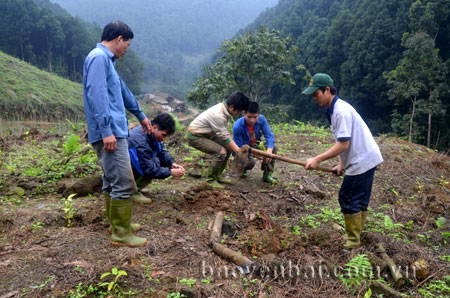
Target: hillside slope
28, 93
50, 247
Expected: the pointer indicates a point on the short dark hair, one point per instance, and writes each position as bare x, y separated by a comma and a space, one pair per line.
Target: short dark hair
333, 89
253, 108
165, 122
115, 29
238, 100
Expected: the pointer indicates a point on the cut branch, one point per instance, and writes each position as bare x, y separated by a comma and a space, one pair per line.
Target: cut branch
398, 277
381, 288
216, 231
231, 255
338, 228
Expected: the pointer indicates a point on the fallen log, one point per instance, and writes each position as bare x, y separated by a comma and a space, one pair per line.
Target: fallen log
380, 288
216, 234
10, 294
338, 228
231, 255
399, 280
216, 231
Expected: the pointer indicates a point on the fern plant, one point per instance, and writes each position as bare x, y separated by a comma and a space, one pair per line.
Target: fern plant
437, 288
357, 272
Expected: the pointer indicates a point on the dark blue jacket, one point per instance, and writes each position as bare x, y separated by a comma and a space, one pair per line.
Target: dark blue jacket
148, 157
241, 136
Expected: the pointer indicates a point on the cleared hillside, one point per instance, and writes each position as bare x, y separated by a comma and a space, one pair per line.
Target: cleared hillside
28, 93
53, 247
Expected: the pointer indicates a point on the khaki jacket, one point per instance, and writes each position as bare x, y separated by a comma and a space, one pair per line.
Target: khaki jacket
212, 122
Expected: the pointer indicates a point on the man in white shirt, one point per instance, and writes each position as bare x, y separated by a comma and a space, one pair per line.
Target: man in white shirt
357, 152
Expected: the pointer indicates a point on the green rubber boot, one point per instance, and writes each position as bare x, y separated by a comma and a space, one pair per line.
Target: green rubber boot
223, 180
142, 182
267, 177
211, 178
220, 177
212, 181
120, 217
353, 226
140, 198
107, 198
363, 219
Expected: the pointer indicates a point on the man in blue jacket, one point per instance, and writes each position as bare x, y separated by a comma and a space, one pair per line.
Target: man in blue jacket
248, 130
149, 159
106, 99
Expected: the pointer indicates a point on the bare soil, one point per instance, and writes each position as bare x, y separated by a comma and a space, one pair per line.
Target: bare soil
41, 257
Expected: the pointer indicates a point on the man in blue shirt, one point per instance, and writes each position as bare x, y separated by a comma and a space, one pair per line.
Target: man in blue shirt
106, 99
149, 159
248, 130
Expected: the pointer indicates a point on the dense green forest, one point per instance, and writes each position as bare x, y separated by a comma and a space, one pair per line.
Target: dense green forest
390, 59
174, 38
45, 35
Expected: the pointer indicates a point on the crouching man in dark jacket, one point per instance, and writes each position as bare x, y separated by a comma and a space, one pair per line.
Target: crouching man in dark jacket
149, 159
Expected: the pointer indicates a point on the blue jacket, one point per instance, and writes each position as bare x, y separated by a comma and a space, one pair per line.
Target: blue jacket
106, 97
148, 157
241, 136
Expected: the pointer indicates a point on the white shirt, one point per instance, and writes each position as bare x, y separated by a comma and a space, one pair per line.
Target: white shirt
346, 124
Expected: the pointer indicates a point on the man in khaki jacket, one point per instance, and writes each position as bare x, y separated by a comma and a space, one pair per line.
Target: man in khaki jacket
209, 133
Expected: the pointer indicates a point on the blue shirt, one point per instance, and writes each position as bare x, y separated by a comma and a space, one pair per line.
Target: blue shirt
106, 97
241, 136
148, 157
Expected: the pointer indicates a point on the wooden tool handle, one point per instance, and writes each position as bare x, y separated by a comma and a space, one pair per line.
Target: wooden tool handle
287, 159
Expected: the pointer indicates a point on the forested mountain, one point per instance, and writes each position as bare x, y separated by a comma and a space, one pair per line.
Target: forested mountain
174, 37
54, 41
47, 36
390, 59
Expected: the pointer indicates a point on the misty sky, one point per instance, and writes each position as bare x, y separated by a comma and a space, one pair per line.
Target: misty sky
175, 38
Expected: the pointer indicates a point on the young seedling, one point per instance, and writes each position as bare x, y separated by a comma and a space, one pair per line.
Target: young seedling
69, 209
112, 285
189, 282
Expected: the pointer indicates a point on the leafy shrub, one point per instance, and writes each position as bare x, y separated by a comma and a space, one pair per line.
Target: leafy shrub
71, 145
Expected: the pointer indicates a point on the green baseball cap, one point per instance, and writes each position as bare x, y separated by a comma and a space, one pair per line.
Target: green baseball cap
317, 81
